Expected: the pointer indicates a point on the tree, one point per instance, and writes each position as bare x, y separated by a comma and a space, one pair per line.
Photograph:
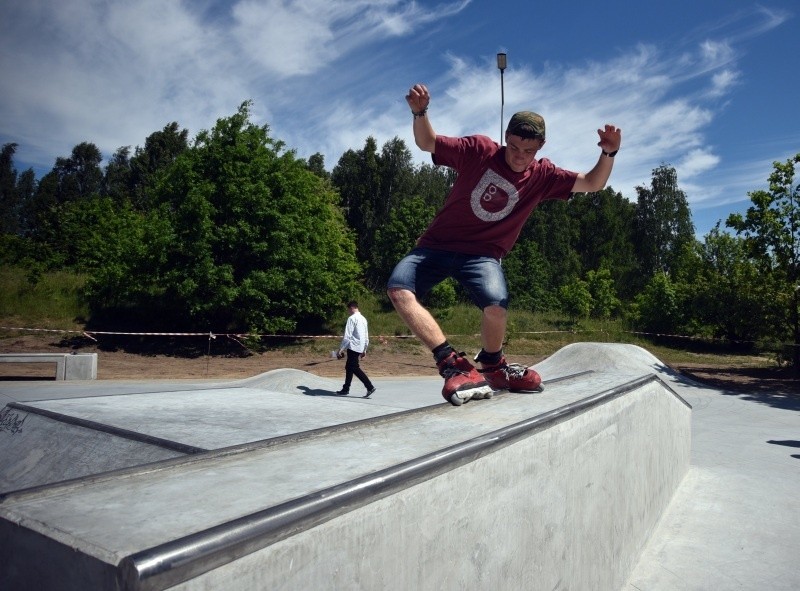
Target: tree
527, 274
160, 150
255, 241
357, 178
316, 164
725, 293
117, 182
604, 297
605, 223
9, 198
80, 175
371, 186
771, 230
551, 228
657, 307
397, 236
77, 178
576, 301
663, 223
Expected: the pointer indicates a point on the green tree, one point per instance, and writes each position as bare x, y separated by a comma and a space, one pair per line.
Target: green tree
576, 301
125, 253
433, 183
397, 236
160, 150
258, 242
77, 178
657, 307
117, 182
605, 223
316, 164
551, 228
726, 294
771, 230
527, 274
357, 178
371, 186
604, 296
663, 223
10, 205
396, 177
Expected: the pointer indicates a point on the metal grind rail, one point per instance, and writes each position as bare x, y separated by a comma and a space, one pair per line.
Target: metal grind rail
185, 558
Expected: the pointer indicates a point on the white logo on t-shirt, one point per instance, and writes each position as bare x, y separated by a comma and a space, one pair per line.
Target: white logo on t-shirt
493, 198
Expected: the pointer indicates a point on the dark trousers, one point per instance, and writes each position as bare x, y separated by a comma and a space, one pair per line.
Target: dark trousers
352, 368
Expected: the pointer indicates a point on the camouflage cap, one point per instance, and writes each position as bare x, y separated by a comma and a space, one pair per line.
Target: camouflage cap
526, 124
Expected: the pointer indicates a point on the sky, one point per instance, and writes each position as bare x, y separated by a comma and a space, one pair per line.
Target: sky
709, 87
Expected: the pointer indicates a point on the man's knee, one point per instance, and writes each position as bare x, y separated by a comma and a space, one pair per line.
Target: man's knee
399, 295
495, 313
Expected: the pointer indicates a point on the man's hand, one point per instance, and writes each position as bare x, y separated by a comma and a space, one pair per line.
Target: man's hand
340, 354
610, 138
418, 98
364, 354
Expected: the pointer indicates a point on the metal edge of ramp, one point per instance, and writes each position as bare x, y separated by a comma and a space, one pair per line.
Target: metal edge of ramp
195, 454
180, 560
110, 429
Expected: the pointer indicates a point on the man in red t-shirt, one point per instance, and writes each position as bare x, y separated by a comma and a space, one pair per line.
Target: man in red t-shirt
496, 190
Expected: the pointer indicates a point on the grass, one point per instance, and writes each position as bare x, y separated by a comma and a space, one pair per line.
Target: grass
53, 302
542, 334
50, 300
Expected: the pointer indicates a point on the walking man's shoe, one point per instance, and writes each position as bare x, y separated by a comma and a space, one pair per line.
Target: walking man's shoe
342, 393
370, 392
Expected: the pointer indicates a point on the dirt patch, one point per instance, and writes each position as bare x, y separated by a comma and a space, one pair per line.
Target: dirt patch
116, 362
744, 379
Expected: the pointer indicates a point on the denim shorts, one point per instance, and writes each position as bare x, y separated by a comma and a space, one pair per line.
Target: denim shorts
424, 268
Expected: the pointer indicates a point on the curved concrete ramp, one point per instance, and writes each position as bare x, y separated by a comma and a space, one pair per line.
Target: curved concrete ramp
289, 381
554, 490
615, 358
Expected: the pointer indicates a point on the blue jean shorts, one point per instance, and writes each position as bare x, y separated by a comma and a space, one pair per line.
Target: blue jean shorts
424, 268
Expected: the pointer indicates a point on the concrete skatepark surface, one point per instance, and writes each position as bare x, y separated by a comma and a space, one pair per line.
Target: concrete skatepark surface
732, 523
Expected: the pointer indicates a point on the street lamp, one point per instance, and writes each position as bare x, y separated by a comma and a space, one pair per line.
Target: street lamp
501, 65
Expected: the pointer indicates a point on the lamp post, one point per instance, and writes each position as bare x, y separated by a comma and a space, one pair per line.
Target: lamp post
501, 65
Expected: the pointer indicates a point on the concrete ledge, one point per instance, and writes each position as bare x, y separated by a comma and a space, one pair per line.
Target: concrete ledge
564, 499
69, 366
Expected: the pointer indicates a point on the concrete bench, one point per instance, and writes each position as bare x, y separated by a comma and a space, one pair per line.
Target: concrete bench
69, 366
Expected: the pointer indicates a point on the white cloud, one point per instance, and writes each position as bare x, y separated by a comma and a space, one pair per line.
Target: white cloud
696, 162
326, 74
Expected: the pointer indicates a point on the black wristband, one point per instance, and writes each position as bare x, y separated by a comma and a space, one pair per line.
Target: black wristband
610, 154
419, 113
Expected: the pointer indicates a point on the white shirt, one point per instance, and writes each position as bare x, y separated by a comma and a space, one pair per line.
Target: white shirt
356, 334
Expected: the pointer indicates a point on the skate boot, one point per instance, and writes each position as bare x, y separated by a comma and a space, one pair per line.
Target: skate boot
512, 377
462, 382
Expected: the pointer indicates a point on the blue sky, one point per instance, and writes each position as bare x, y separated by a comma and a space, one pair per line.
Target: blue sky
707, 86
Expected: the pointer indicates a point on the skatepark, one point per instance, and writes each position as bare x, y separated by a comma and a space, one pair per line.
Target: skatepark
620, 475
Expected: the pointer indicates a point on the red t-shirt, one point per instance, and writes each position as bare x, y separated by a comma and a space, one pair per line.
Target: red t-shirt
489, 203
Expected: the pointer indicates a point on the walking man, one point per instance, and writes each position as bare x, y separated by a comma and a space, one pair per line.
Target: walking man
354, 345
496, 190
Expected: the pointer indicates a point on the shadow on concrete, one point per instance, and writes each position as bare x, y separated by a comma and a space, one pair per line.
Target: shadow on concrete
27, 378
318, 392
787, 443
776, 387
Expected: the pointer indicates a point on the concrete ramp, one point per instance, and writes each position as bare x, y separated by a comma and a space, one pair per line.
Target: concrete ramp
554, 490
49, 441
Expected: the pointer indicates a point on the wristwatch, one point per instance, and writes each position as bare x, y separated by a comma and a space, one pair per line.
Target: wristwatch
610, 154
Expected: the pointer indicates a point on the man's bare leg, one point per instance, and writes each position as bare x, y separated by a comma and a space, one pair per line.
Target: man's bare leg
493, 328
416, 317
502, 376
462, 380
